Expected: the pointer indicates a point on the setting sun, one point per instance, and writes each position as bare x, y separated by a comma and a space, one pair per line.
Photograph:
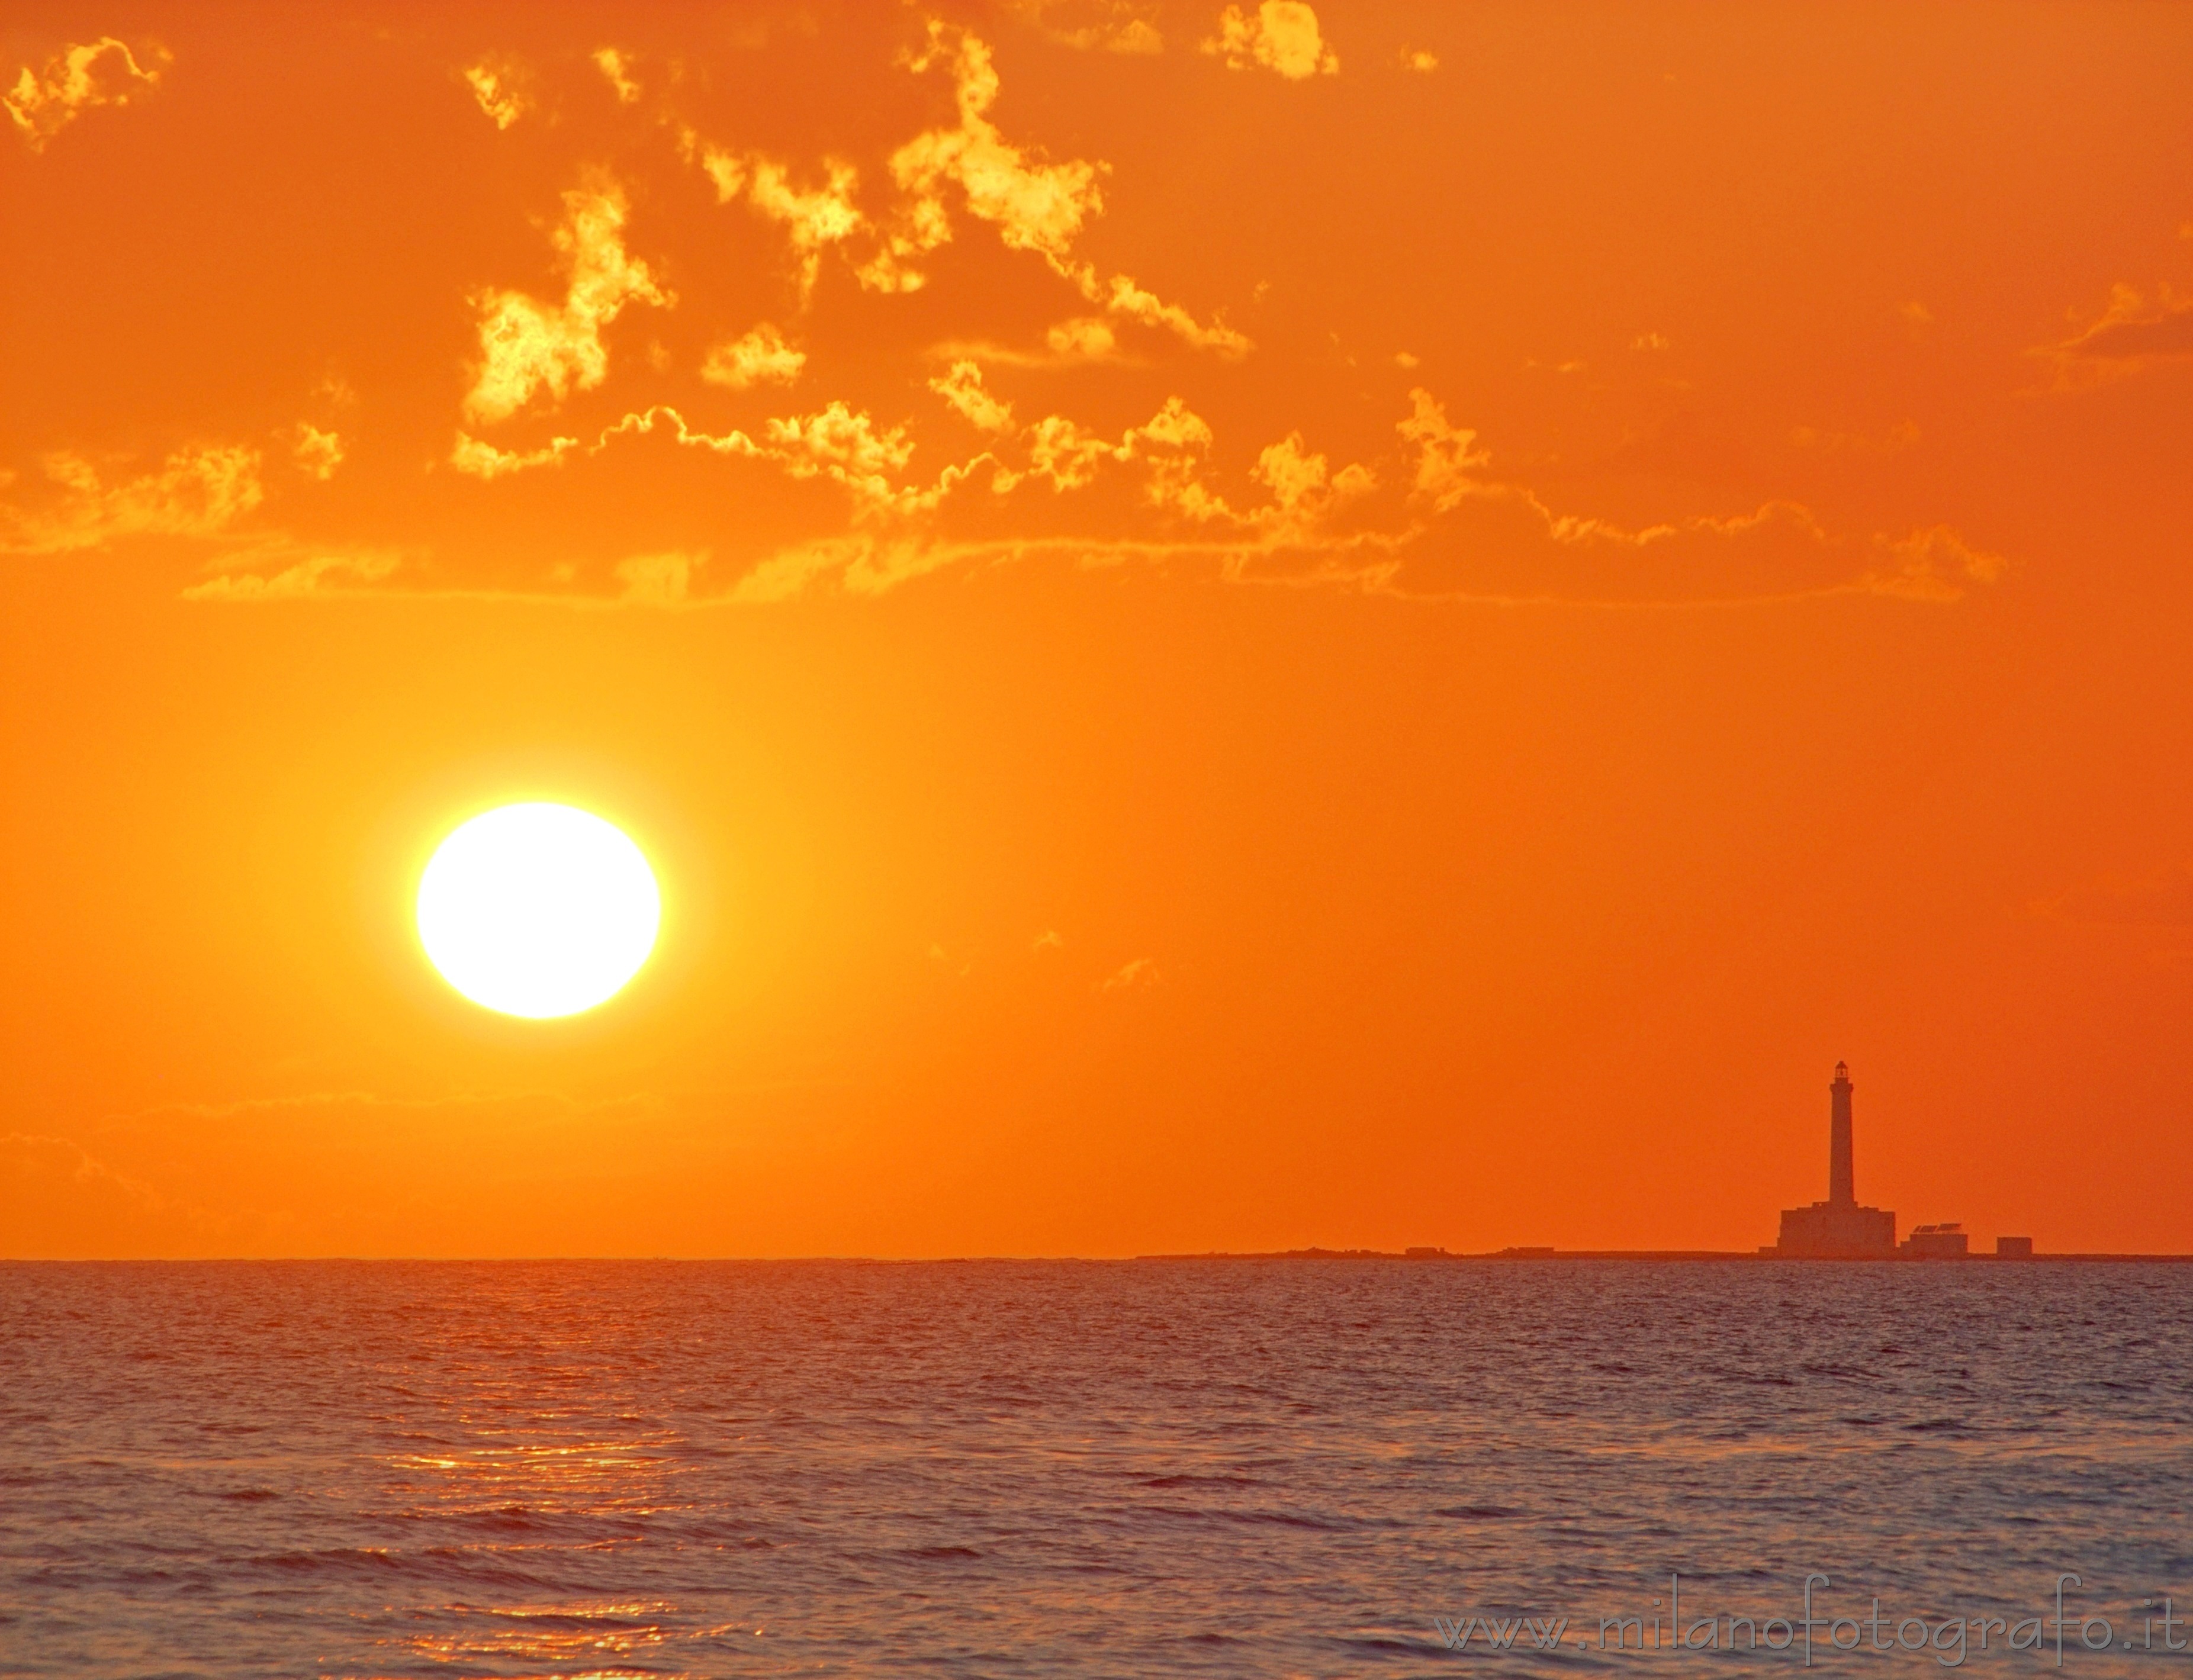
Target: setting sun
538, 909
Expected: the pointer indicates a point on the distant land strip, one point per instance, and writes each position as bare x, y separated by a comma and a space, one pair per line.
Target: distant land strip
1538, 1254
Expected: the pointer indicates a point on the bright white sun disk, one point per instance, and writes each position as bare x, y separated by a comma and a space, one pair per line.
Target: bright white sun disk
538, 909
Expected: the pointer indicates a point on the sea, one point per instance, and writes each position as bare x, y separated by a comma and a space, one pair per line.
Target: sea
1222, 1466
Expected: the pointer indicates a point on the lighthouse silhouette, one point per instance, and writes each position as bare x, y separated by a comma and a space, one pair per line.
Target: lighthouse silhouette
1838, 1228
1841, 1191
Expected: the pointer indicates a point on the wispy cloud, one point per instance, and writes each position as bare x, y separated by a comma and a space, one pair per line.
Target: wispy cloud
2135, 331
1096, 25
198, 491
281, 569
1131, 976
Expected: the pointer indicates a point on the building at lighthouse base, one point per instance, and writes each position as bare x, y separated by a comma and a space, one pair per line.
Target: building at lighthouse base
1837, 1230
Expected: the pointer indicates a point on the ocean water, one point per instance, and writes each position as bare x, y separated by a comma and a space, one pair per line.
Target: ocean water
1213, 1467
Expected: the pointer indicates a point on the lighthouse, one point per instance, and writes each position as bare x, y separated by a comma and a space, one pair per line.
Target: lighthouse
1841, 1191
1838, 1228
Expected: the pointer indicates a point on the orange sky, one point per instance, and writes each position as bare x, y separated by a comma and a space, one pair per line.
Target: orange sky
1228, 628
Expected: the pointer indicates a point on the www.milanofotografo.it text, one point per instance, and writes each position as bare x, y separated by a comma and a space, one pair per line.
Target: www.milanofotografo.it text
1815, 1628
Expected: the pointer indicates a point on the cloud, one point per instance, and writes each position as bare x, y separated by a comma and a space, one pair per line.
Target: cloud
844, 442
1934, 564
1304, 495
760, 357
497, 88
837, 442
1049, 940
1172, 447
658, 580
199, 491
479, 460
59, 1200
1096, 25
1420, 59
1035, 205
1499, 541
1430, 518
78, 79
617, 68
1079, 342
338, 1172
1132, 976
528, 347
962, 387
814, 218
317, 453
1082, 338
1446, 459
285, 571
2132, 334
1282, 36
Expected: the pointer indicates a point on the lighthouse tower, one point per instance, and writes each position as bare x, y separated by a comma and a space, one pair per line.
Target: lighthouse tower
1838, 1228
1841, 1192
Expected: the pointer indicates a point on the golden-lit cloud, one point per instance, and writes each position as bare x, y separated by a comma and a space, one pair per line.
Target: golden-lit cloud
1420, 59
317, 453
760, 357
1433, 520
658, 580
1083, 340
1446, 458
78, 79
812, 217
844, 443
481, 460
2135, 331
198, 491
616, 67
529, 347
1035, 205
497, 88
1171, 447
962, 387
283, 570
1281, 35
1305, 494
